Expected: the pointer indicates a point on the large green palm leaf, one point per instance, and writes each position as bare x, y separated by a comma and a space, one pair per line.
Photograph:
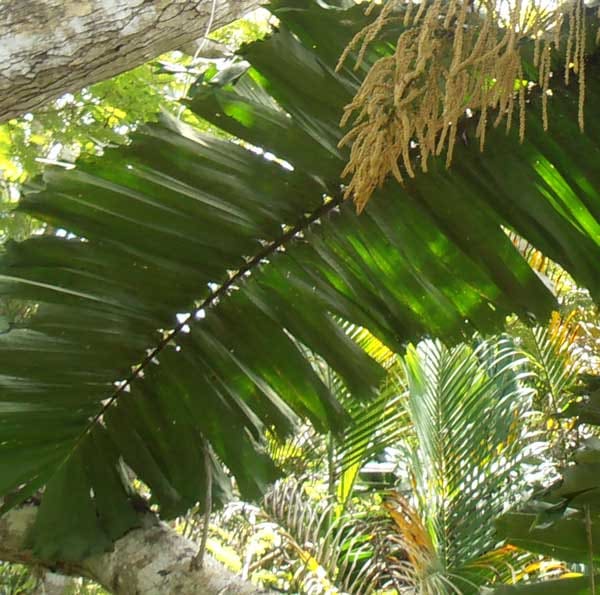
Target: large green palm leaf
256, 245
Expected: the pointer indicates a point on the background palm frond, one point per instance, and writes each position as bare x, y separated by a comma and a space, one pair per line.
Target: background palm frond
358, 552
464, 462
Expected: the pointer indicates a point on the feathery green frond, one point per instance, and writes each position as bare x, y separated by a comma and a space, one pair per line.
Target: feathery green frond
357, 553
465, 466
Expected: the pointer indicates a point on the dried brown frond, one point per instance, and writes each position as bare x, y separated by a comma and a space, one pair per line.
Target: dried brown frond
453, 55
416, 541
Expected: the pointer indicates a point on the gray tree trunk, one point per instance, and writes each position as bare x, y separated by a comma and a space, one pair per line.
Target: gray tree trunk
153, 560
51, 47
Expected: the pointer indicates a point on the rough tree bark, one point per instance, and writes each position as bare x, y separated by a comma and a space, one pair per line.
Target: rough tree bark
52, 47
153, 560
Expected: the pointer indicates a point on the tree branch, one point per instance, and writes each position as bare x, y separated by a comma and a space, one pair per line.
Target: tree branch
51, 47
154, 559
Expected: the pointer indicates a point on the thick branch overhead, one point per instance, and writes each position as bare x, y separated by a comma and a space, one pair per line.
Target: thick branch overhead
51, 47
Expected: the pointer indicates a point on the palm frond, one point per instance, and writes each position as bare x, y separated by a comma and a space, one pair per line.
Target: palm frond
375, 426
465, 405
357, 553
552, 352
555, 359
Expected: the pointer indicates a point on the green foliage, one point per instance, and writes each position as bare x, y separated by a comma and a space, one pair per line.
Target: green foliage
83, 123
296, 543
249, 242
16, 579
563, 521
350, 553
252, 28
